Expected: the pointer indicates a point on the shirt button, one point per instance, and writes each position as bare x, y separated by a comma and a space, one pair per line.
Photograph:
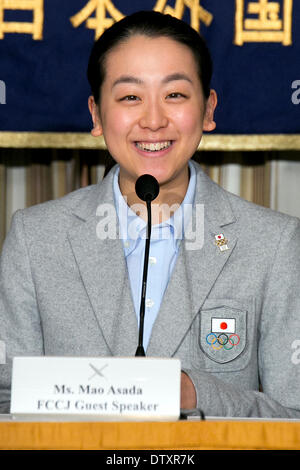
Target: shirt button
152, 260
126, 244
149, 303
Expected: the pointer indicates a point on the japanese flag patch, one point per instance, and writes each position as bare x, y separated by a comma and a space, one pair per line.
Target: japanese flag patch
223, 325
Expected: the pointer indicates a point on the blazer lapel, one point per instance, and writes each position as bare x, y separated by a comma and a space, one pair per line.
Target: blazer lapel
103, 270
196, 270
205, 265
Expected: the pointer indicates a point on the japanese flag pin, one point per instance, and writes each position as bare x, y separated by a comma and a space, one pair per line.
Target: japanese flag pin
221, 242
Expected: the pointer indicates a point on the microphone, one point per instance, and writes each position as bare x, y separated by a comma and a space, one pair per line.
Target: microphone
147, 189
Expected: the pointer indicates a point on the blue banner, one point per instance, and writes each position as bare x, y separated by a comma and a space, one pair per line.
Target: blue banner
45, 45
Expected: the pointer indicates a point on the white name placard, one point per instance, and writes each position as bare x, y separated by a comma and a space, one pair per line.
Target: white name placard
96, 388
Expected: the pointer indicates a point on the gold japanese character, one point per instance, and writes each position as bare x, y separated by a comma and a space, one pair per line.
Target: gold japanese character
272, 21
35, 28
99, 22
197, 12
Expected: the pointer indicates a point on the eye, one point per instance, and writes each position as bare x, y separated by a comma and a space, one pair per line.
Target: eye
130, 98
176, 95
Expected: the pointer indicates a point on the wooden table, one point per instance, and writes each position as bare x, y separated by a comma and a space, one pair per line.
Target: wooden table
184, 435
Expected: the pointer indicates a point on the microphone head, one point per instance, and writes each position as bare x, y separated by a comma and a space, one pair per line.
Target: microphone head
147, 188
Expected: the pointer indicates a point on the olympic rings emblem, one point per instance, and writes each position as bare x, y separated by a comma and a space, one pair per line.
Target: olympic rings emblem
222, 341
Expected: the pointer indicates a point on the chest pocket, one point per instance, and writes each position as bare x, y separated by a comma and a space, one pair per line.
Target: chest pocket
226, 333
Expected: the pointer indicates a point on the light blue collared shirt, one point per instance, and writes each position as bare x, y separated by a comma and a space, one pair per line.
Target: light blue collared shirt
164, 247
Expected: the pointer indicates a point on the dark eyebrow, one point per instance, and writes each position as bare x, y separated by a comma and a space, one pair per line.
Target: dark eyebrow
176, 76
127, 79
137, 81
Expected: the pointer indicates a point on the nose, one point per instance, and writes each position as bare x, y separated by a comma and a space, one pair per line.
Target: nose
154, 116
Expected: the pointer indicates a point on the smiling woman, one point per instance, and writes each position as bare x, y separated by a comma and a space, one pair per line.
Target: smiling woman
152, 112
151, 100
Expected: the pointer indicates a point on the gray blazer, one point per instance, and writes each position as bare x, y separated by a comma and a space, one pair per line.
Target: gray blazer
65, 292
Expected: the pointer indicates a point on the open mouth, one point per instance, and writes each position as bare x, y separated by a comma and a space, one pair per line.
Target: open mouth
153, 146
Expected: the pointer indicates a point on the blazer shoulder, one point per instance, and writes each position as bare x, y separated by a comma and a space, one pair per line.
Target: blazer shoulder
51, 219
63, 205
225, 206
263, 225
247, 210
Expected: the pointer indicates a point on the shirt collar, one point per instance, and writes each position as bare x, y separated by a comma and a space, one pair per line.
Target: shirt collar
133, 228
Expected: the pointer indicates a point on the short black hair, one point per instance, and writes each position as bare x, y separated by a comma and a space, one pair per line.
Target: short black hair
152, 24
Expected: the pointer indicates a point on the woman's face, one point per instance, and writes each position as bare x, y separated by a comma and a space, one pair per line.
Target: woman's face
152, 109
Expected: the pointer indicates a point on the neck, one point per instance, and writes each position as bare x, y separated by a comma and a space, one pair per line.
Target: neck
170, 197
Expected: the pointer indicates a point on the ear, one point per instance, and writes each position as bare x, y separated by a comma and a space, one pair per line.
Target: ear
97, 129
209, 123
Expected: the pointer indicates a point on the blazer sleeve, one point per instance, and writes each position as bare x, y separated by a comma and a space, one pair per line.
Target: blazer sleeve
20, 329
278, 348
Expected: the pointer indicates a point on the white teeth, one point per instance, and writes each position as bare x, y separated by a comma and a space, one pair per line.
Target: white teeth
153, 147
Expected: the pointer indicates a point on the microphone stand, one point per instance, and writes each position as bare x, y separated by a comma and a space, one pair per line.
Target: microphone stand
140, 349
147, 191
